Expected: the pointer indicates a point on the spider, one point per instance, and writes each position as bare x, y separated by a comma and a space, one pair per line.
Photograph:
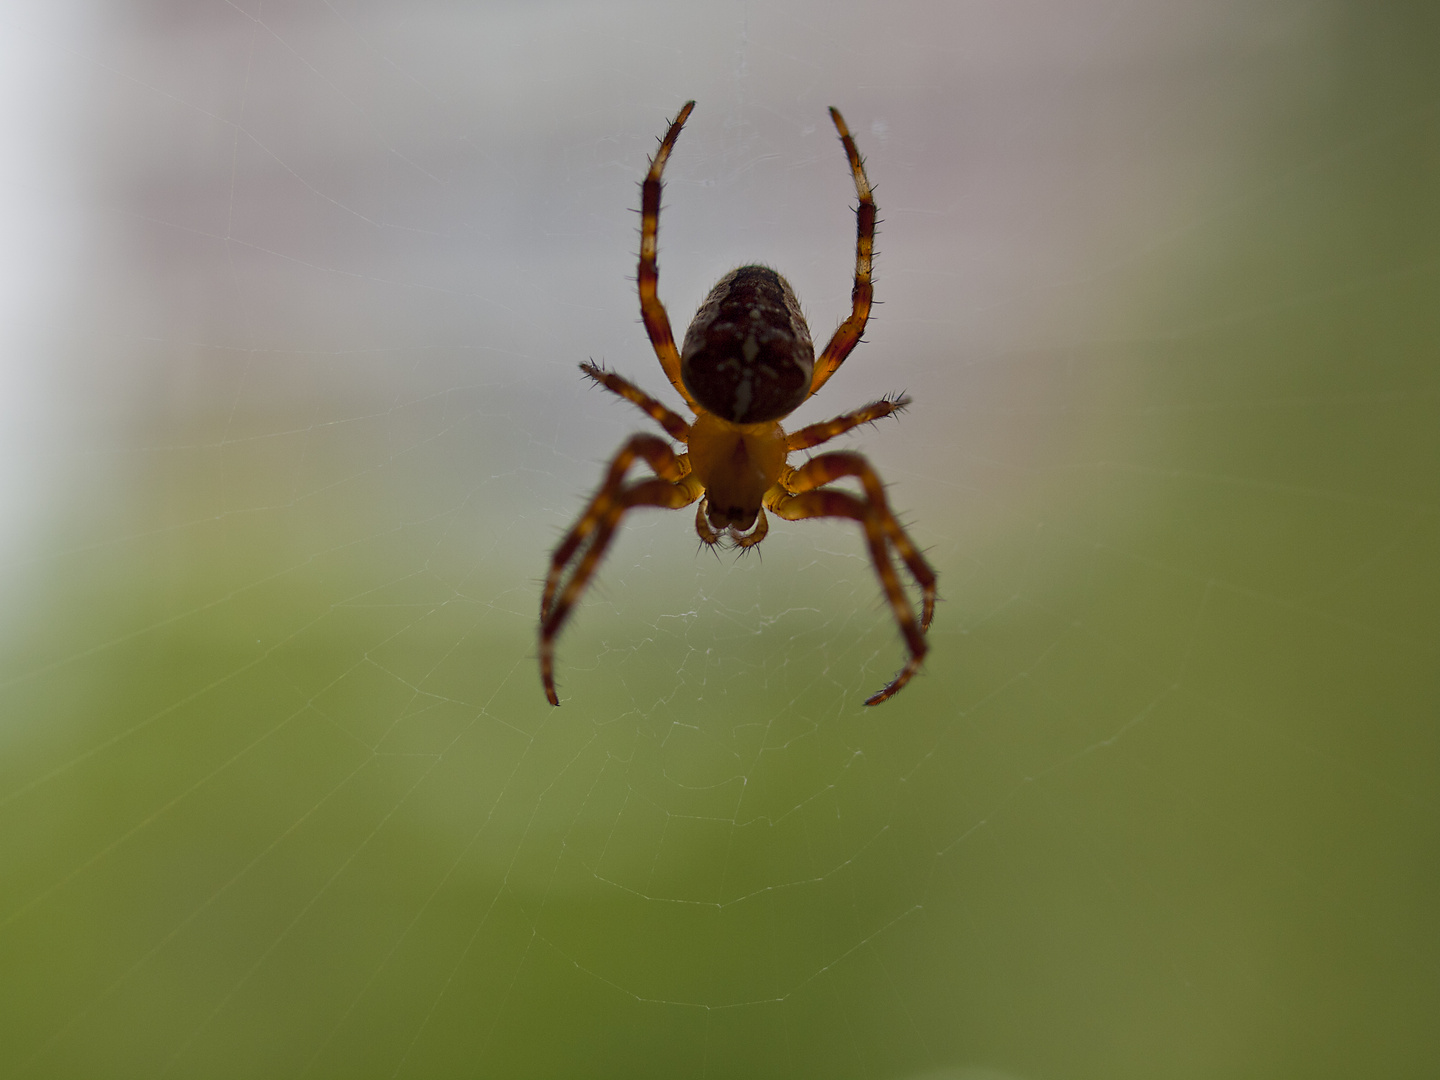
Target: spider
747, 362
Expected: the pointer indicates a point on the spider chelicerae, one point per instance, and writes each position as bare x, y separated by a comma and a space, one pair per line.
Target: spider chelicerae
747, 362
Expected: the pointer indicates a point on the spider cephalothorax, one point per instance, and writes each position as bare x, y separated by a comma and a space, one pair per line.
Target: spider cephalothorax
746, 364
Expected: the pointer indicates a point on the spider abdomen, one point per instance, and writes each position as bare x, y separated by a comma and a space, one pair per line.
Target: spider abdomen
748, 357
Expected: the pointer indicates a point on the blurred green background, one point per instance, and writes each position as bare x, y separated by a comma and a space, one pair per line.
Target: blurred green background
295, 296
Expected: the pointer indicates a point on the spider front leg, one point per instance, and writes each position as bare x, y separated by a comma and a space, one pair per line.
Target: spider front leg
882, 532
591, 535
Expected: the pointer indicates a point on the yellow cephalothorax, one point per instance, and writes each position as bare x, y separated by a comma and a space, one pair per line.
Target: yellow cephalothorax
737, 464
747, 363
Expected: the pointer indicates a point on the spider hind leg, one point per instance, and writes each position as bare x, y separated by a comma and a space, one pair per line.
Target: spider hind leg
862, 292
652, 311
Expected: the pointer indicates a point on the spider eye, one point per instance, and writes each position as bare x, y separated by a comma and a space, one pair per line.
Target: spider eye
748, 357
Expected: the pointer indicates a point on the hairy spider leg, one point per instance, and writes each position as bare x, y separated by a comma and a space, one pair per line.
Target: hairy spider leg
657, 493
847, 334
836, 465
657, 455
674, 424
804, 499
823, 432
674, 488
657, 322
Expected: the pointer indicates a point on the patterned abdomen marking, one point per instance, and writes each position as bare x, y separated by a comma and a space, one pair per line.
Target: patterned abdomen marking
747, 356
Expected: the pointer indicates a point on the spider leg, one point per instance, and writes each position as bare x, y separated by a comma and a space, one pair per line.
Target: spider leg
826, 468
658, 456
815, 434
848, 332
673, 423
657, 322
674, 487
805, 499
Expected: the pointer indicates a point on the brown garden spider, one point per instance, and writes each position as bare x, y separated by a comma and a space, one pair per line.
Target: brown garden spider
747, 362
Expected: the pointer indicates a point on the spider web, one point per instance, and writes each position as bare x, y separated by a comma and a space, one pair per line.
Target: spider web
295, 297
